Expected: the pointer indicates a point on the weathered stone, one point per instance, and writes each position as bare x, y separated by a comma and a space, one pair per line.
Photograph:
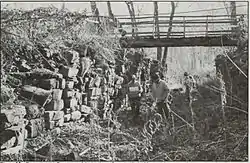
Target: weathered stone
57, 94
67, 117
62, 83
67, 110
54, 105
76, 115
84, 99
50, 125
72, 56
86, 109
93, 103
8, 139
48, 84
70, 84
95, 91
67, 93
34, 127
36, 94
59, 123
78, 96
56, 131
68, 71
70, 103
11, 115
53, 115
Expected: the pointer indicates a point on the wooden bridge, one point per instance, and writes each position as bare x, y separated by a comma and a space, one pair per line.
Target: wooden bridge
209, 30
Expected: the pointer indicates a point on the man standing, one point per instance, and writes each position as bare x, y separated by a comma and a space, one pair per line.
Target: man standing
190, 84
160, 92
134, 96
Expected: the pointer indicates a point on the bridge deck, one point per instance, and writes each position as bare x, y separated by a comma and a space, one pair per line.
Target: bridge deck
208, 30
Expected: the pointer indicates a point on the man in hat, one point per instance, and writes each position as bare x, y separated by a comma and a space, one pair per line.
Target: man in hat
134, 96
160, 92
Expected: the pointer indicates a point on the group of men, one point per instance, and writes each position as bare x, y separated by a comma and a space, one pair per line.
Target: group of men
160, 93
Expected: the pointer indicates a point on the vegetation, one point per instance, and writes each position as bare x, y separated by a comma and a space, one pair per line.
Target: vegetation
38, 37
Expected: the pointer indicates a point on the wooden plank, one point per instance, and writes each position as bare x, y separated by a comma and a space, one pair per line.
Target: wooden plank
180, 42
176, 16
178, 22
175, 32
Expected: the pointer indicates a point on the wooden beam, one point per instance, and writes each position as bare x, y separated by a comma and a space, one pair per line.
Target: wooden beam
179, 42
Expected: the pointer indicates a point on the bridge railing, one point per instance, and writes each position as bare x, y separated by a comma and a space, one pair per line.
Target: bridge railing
183, 26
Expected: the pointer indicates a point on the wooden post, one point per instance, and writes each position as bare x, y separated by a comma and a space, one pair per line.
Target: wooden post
233, 16
157, 30
207, 27
184, 27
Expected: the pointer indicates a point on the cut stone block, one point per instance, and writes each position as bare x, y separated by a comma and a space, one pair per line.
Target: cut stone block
48, 84
34, 127
54, 105
67, 117
11, 115
78, 96
36, 94
59, 123
67, 93
70, 103
70, 84
53, 115
95, 91
76, 115
72, 56
57, 94
67, 110
62, 83
68, 71
8, 139
50, 124
86, 109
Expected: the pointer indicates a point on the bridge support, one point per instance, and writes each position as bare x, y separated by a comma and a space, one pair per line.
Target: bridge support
141, 42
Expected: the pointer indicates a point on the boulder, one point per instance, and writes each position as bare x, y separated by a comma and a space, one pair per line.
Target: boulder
70, 84
86, 109
76, 115
33, 111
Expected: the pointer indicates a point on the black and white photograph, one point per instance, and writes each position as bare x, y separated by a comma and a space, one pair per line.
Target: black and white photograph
112, 81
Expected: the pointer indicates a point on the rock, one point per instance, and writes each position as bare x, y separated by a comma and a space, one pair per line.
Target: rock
86, 109
67, 110
67, 93
53, 115
84, 99
8, 139
62, 83
54, 105
50, 125
76, 115
56, 131
68, 71
94, 91
70, 103
78, 96
59, 123
48, 84
72, 56
67, 117
34, 127
70, 84
57, 94
36, 94
12, 115
93, 104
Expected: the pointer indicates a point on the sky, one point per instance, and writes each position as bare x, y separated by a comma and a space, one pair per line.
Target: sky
120, 8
